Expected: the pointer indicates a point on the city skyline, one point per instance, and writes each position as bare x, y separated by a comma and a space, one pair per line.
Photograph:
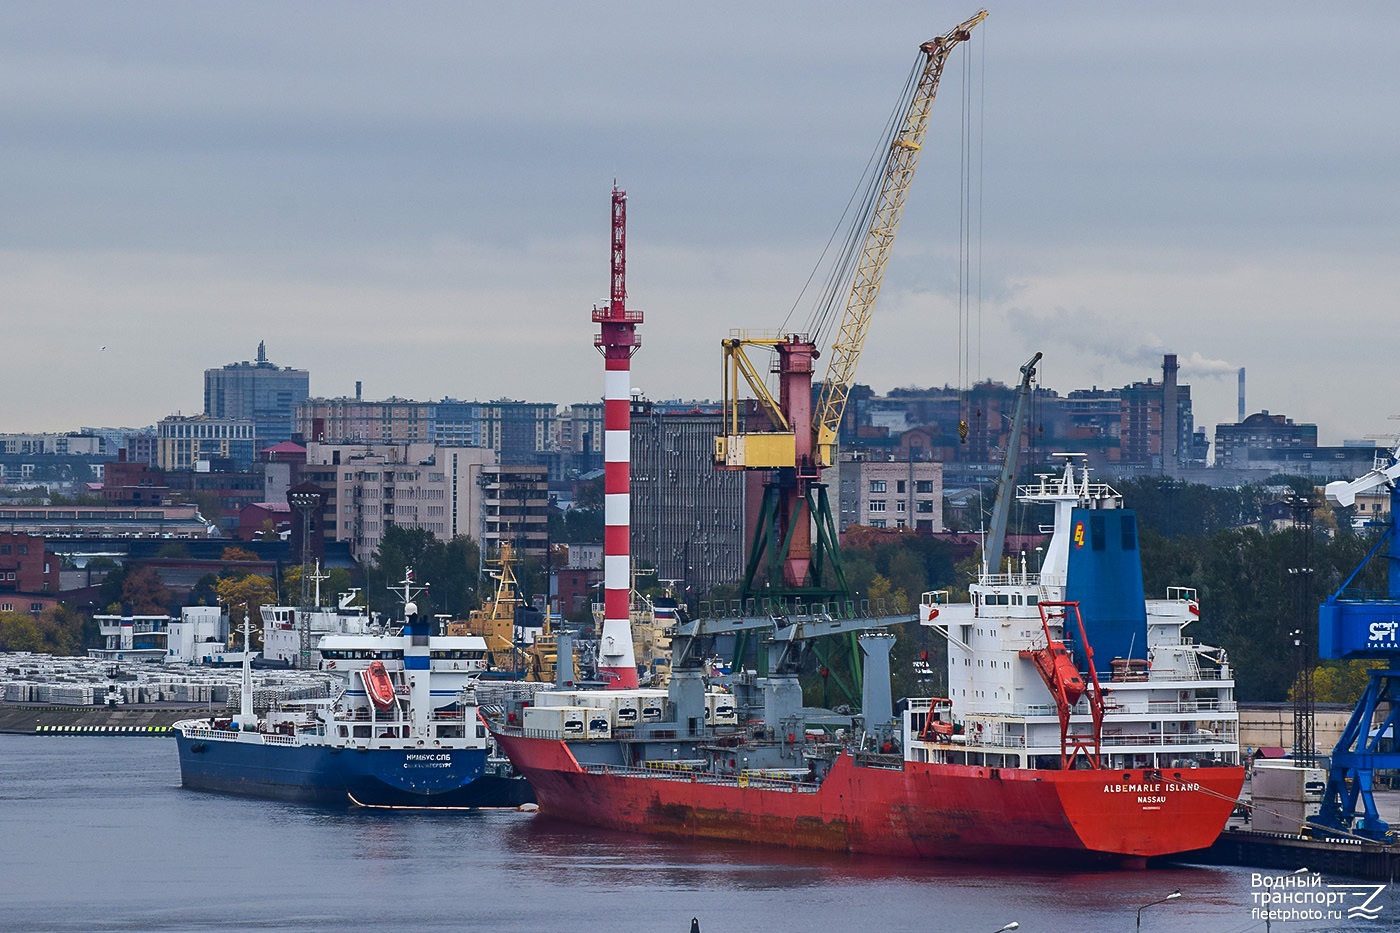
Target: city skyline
418, 199
474, 432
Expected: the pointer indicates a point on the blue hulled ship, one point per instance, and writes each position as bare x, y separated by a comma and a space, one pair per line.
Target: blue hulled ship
402, 729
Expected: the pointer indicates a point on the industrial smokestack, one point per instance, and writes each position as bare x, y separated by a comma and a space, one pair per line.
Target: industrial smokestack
1240, 419
358, 386
1171, 418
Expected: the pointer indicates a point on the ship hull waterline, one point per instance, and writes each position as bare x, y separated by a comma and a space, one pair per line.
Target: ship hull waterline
918, 810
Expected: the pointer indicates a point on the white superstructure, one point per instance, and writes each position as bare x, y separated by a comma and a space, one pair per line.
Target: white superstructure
1170, 703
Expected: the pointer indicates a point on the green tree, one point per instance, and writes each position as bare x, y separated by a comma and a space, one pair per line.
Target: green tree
63, 629
19, 631
204, 592
447, 569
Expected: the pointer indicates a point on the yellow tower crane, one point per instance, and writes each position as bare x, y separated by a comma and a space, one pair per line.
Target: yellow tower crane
879, 239
798, 442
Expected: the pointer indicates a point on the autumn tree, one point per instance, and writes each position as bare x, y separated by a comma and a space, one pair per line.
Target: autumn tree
245, 596
143, 593
19, 631
55, 630
1340, 681
338, 580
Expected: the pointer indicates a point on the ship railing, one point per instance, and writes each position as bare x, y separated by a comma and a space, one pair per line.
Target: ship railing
1159, 675
362, 716
218, 735
878, 760
629, 771
1201, 674
674, 764
993, 741
1187, 706
760, 778
1028, 579
1213, 738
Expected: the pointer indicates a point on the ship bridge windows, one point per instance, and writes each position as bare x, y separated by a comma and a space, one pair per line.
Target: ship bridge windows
360, 654
458, 654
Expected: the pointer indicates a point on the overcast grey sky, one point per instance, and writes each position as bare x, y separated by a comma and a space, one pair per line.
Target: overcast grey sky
416, 196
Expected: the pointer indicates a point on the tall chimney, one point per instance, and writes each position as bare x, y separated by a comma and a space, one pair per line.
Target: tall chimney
1240, 419
1171, 417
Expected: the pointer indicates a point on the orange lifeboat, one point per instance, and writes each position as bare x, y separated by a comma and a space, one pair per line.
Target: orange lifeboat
938, 727
378, 685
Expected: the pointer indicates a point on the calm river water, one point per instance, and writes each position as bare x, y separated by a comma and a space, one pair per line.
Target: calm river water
97, 834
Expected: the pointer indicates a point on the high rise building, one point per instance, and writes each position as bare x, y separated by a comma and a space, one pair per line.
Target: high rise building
688, 519
515, 508
519, 432
891, 493
372, 486
260, 392
184, 441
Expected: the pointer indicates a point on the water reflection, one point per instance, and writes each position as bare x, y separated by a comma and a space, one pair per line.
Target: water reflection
103, 837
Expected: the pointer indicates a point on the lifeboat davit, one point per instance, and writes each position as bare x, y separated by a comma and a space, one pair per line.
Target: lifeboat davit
378, 685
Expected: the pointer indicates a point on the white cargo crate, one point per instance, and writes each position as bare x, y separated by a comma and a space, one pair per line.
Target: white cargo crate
720, 709
564, 722
556, 698
600, 722
652, 705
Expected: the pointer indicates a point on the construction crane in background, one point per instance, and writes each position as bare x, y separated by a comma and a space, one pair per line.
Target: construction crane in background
1006, 490
785, 562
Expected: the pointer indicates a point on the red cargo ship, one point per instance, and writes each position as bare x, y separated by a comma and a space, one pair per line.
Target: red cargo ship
918, 810
1036, 753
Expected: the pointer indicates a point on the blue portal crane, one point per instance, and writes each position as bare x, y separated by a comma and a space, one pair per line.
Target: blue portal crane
1365, 629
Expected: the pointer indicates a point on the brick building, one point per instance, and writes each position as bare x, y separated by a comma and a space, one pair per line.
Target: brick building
28, 573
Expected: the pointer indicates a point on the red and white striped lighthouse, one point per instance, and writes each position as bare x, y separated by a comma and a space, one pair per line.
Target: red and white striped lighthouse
617, 341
